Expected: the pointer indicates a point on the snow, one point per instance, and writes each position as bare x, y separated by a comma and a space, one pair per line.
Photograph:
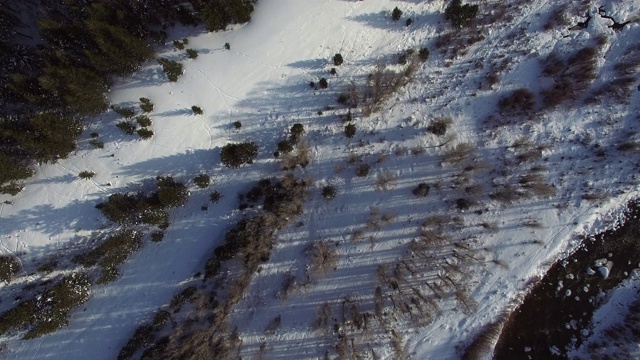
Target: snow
262, 81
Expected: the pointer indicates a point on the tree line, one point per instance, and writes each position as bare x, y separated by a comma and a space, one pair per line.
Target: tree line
49, 83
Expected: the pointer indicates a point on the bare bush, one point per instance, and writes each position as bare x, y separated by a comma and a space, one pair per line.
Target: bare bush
300, 156
323, 317
506, 194
323, 258
520, 102
458, 153
385, 180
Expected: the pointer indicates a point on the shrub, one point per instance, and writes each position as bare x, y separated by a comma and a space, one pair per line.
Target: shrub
333, 72
350, 130
408, 22
157, 236
9, 267
192, 54
459, 153
519, 102
234, 155
125, 112
300, 156
127, 127
362, 170
170, 193
172, 68
329, 192
337, 60
66, 295
86, 174
464, 204
215, 196
227, 46
202, 180
143, 120
421, 190
285, 147
396, 14
146, 105
145, 133
423, 54
48, 266
196, 110
460, 15
237, 125
439, 126
178, 44
113, 251
323, 83
94, 135
98, 144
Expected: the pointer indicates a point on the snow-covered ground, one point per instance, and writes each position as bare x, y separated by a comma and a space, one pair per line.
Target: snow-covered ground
263, 82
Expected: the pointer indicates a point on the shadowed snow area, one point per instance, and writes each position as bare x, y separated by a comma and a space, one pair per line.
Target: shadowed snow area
263, 82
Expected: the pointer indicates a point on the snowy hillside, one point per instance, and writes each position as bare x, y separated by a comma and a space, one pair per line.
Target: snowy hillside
482, 166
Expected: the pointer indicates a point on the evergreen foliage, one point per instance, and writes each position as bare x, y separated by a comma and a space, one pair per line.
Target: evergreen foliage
84, 45
234, 155
173, 69
337, 60
202, 180
145, 133
146, 105
196, 110
460, 15
350, 130
192, 53
217, 15
396, 14
9, 267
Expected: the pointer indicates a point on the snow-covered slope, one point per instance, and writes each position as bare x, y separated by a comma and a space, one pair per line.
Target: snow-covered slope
263, 82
